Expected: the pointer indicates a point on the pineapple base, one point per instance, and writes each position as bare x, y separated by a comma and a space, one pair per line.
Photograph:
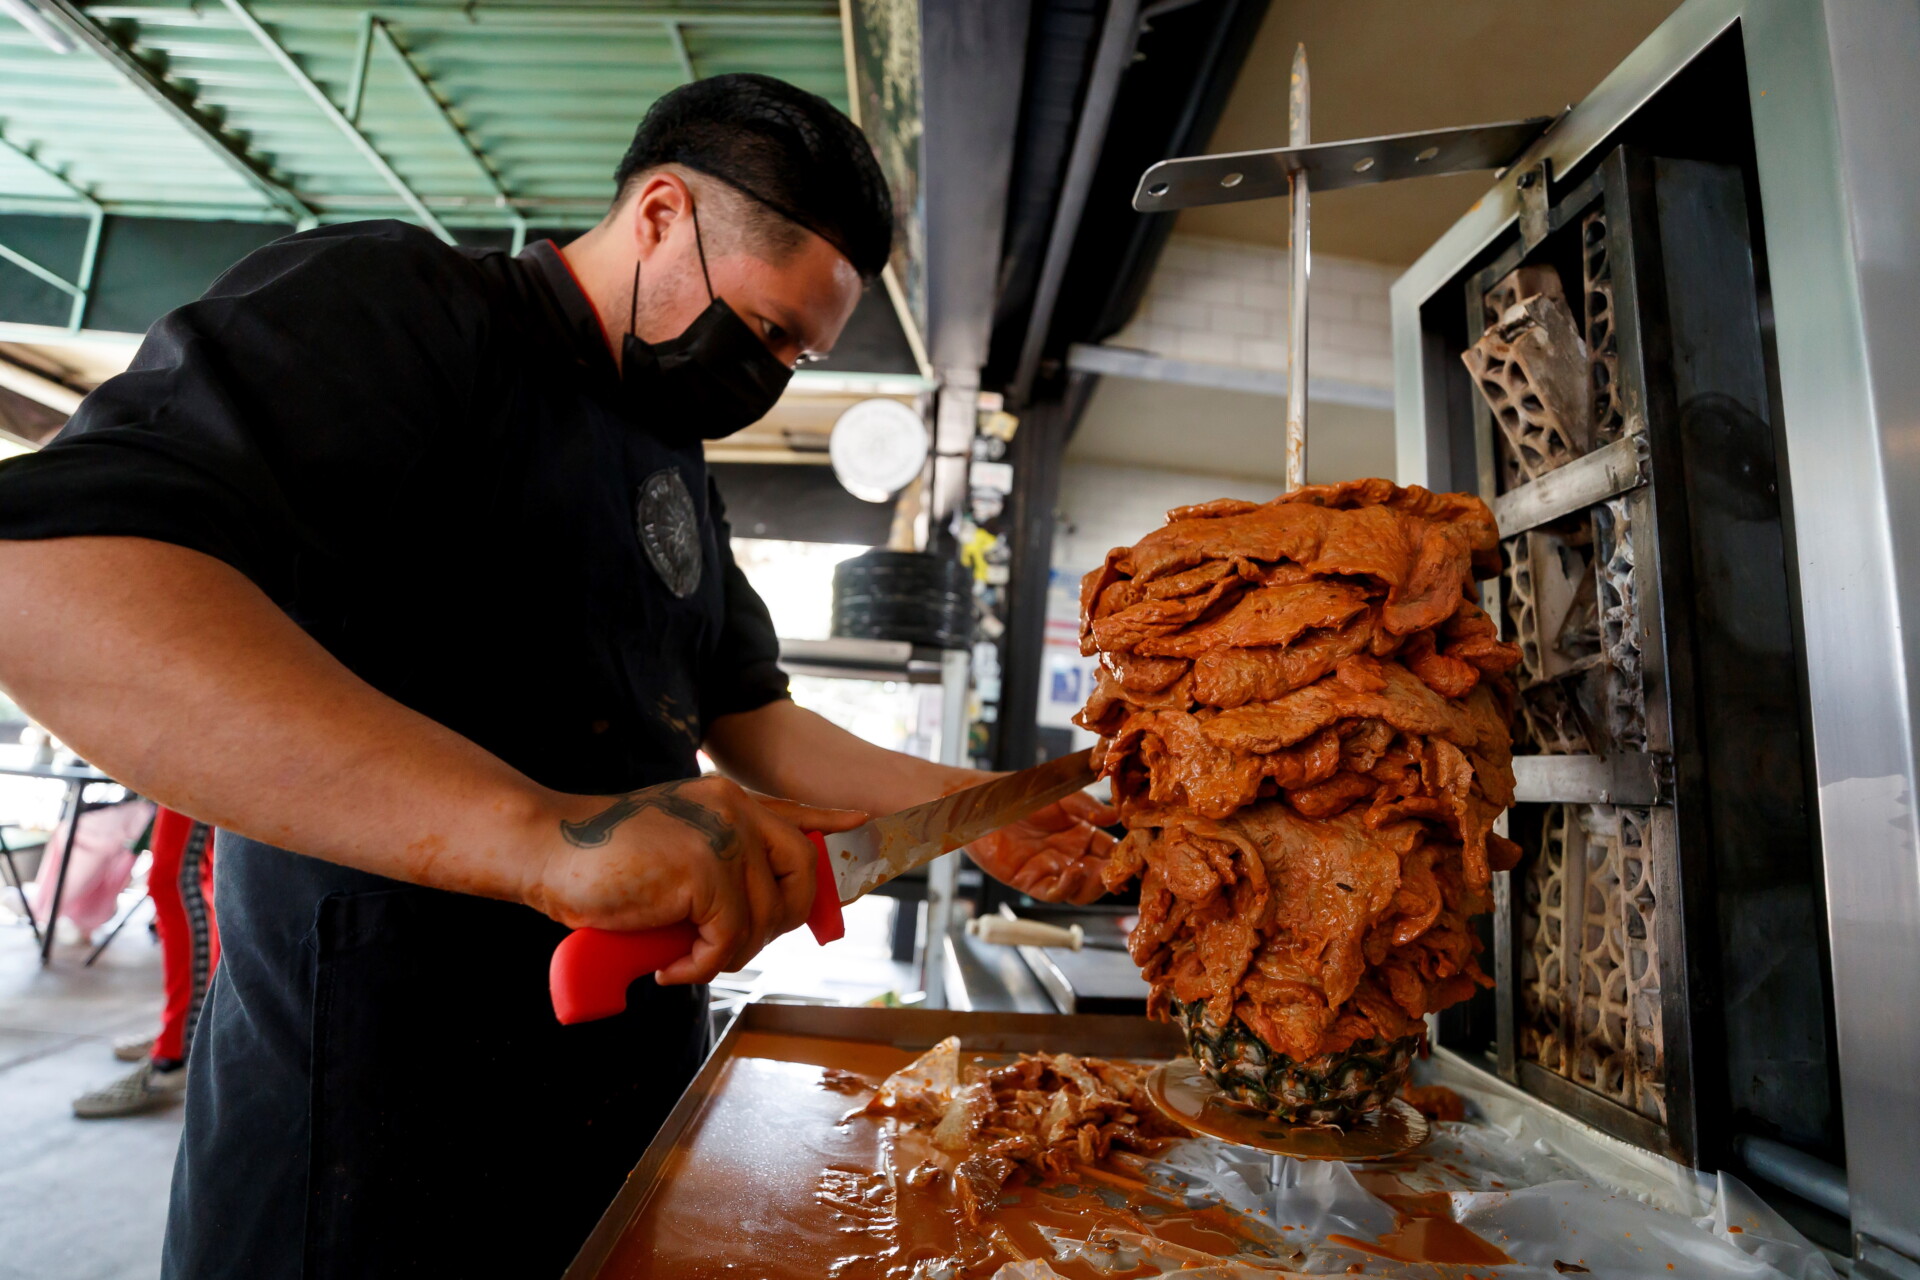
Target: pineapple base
1330, 1089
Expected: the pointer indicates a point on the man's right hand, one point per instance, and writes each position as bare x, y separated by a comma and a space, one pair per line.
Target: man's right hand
736, 864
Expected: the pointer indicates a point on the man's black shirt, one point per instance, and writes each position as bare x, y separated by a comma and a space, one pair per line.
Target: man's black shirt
424, 456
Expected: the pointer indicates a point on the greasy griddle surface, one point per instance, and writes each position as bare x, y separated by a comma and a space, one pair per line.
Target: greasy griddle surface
737, 1196
767, 1182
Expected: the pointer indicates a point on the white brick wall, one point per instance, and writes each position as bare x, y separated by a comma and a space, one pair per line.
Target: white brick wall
1226, 302
1104, 505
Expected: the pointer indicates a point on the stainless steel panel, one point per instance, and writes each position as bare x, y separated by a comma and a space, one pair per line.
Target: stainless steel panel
972, 57
1842, 200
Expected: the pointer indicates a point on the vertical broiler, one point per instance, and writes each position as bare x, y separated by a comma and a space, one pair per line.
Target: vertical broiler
1667, 350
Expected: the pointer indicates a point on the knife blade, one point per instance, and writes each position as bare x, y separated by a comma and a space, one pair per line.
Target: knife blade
592, 968
875, 852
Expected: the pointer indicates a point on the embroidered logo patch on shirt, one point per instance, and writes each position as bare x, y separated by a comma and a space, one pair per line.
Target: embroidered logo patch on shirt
670, 531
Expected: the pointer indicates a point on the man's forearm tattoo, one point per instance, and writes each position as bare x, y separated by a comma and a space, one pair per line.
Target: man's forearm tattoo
591, 833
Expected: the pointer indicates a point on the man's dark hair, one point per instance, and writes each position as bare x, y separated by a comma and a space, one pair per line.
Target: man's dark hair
787, 150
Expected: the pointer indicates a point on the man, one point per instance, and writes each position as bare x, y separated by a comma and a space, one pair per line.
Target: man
401, 567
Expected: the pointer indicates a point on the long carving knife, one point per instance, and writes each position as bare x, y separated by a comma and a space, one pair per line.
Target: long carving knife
592, 968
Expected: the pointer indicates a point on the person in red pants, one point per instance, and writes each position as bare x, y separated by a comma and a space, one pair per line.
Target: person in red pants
181, 886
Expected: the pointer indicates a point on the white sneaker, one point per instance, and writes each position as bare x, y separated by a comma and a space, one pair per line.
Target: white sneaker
143, 1089
133, 1048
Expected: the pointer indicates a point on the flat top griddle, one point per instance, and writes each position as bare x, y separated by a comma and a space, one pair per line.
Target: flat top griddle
792, 1113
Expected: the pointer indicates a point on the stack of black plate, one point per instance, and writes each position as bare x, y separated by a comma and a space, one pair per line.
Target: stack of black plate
915, 596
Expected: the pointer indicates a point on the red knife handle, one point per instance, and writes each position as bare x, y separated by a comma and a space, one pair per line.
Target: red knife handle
592, 968
824, 916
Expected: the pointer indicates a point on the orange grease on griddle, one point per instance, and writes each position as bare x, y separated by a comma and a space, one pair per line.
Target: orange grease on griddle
769, 1182
859, 1056
1424, 1229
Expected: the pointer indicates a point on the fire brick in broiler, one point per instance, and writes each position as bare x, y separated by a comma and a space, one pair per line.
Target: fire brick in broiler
1305, 720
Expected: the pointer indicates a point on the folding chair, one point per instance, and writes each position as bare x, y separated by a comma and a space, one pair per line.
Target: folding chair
7, 850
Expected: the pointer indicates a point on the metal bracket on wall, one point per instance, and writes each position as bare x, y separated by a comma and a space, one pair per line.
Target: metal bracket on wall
1594, 477
1232, 177
1531, 184
1625, 777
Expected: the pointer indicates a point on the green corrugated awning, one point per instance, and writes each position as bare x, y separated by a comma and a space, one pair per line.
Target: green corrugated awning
483, 114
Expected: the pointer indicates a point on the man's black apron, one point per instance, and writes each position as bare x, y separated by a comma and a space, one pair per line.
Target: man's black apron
395, 1056
379, 1086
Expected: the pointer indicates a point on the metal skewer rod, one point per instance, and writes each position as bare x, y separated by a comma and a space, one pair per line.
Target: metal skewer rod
1299, 267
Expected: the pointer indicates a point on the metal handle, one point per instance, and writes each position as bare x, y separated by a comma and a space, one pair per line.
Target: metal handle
1013, 932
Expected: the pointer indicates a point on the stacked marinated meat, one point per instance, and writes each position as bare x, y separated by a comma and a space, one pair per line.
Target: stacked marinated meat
1305, 717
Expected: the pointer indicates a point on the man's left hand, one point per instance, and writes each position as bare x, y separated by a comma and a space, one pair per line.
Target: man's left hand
1055, 854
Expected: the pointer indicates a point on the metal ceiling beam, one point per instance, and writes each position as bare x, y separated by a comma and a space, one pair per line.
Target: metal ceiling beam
39, 272
495, 16
972, 60
38, 387
60, 179
1145, 366
61, 117
175, 102
440, 108
476, 220
82, 288
362, 60
679, 39
1119, 35
454, 211
347, 128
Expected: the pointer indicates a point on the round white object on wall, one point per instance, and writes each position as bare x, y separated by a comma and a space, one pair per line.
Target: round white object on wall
877, 447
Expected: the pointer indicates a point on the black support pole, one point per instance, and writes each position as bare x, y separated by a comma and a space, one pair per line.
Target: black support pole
1039, 449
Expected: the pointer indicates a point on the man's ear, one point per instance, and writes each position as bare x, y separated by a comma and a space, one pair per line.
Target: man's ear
661, 202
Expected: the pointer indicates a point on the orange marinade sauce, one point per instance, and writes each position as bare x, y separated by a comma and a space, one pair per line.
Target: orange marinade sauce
1424, 1230
767, 1182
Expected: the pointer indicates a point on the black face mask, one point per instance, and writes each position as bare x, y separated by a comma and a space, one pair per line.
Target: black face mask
709, 382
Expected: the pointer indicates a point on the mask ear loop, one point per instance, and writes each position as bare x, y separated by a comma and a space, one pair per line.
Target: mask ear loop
700, 244
633, 307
